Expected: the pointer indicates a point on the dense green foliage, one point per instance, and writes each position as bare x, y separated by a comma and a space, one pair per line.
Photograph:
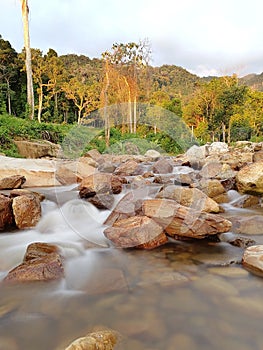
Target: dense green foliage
116, 93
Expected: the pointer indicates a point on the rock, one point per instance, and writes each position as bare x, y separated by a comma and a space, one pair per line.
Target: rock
29, 149
136, 231
129, 205
251, 225
21, 192
69, 172
100, 340
211, 169
253, 259
217, 148
181, 221
258, 156
152, 154
107, 167
129, 168
250, 179
196, 156
211, 187
246, 201
102, 200
38, 250
190, 197
162, 166
26, 210
42, 262
10, 182
100, 183
184, 179
6, 214
38, 172
93, 154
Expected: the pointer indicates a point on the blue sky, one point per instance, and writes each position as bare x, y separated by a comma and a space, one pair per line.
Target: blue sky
206, 37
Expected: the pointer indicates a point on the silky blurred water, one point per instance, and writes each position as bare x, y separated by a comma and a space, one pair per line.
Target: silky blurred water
184, 295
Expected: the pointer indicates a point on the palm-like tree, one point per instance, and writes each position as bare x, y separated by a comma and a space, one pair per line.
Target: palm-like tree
30, 91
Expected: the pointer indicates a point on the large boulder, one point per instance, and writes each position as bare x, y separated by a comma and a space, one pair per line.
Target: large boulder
250, 179
196, 155
26, 210
100, 183
190, 197
217, 148
11, 182
128, 168
42, 262
180, 221
137, 231
6, 214
162, 166
40, 149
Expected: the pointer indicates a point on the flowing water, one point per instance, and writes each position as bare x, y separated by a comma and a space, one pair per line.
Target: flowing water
184, 295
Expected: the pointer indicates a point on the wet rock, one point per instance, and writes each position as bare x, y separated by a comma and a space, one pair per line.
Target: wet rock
102, 200
215, 285
136, 231
129, 205
128, 168
228, 271
162, 166
246, 201
190, 197
70, 172
250, 225
38, 250
100, 183
11, 182
211, 187
211, 169
46, 268
178, 220
93, 154
253, 259
184, 179
26, 210
6, 214
100, 340
107, 167
250, 179
242, 242
7, 343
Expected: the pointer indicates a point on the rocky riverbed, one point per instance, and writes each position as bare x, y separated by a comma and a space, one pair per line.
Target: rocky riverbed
157, 252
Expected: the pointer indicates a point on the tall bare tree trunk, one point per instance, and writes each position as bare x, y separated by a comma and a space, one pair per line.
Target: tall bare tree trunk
30, 91
40, 103
106, 115
135, 115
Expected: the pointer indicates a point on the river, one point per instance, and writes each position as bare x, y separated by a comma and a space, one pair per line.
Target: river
183, 295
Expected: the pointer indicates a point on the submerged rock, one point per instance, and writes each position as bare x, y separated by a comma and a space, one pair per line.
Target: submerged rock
100, 340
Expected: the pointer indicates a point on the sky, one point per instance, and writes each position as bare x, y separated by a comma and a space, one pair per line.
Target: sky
206, 37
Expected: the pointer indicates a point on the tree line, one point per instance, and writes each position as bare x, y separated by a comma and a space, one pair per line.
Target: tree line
76, 89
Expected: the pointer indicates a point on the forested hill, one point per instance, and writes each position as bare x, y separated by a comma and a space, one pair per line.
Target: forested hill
255, 81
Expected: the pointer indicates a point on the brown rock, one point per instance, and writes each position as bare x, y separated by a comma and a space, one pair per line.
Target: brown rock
246, 201
129, 205
29, 149
100, 183
6, 215
39, 249
211, 187
162, 166
46, 268
136, 231
10, 182
258, 156
253, 259
102, 200
211, 169
21, 192
26, 210
93, 154
251, 225
128, 168
190, 197
100, 340
250, 179
178, 220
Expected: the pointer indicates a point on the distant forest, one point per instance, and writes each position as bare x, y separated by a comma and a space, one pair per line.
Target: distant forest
70, 89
